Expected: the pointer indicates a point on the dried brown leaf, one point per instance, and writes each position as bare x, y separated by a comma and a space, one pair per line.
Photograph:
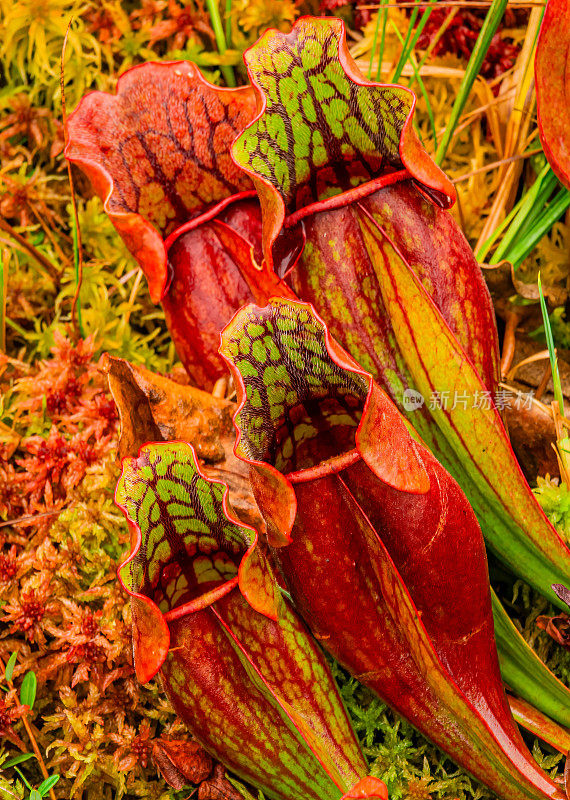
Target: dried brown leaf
218, 787
181, 762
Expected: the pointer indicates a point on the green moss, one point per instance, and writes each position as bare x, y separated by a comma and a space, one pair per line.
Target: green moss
555, 501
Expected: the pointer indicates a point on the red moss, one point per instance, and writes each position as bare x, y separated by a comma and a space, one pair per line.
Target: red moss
60, 400
10, 712
460, 37
136, 749
8, 565
89, 653
141, 749
29, 610
361, 15
33, 611
100, 23
181, 25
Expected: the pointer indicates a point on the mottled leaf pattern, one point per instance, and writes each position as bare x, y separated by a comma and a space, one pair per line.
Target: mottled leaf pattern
188, 545
321, 132
298, 398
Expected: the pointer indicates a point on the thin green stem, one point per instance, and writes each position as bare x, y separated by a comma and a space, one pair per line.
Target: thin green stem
492, 20
409, 49
427, 100
382, 38
78, 267
218, 28
228, 21
23, 777
17, 328
374, 41
4, 262
404, 53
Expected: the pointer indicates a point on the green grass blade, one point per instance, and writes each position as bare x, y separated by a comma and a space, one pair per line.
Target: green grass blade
529, 208
374, 41
551, 351
529, 198
409, 49
539, 227
488, 243
492, 20
382, 38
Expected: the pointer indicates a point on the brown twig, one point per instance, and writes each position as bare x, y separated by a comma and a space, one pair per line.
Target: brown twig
3, 302
78, 244
49, 234
509, 342
29, 248
546, 374
495, 164
31, 737
31, 517
541, 356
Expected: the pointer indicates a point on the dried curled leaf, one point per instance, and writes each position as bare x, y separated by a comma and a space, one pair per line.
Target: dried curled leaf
218, 787
181, 762
153, 408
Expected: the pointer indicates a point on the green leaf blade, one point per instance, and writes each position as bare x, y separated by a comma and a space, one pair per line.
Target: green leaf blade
28, 689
